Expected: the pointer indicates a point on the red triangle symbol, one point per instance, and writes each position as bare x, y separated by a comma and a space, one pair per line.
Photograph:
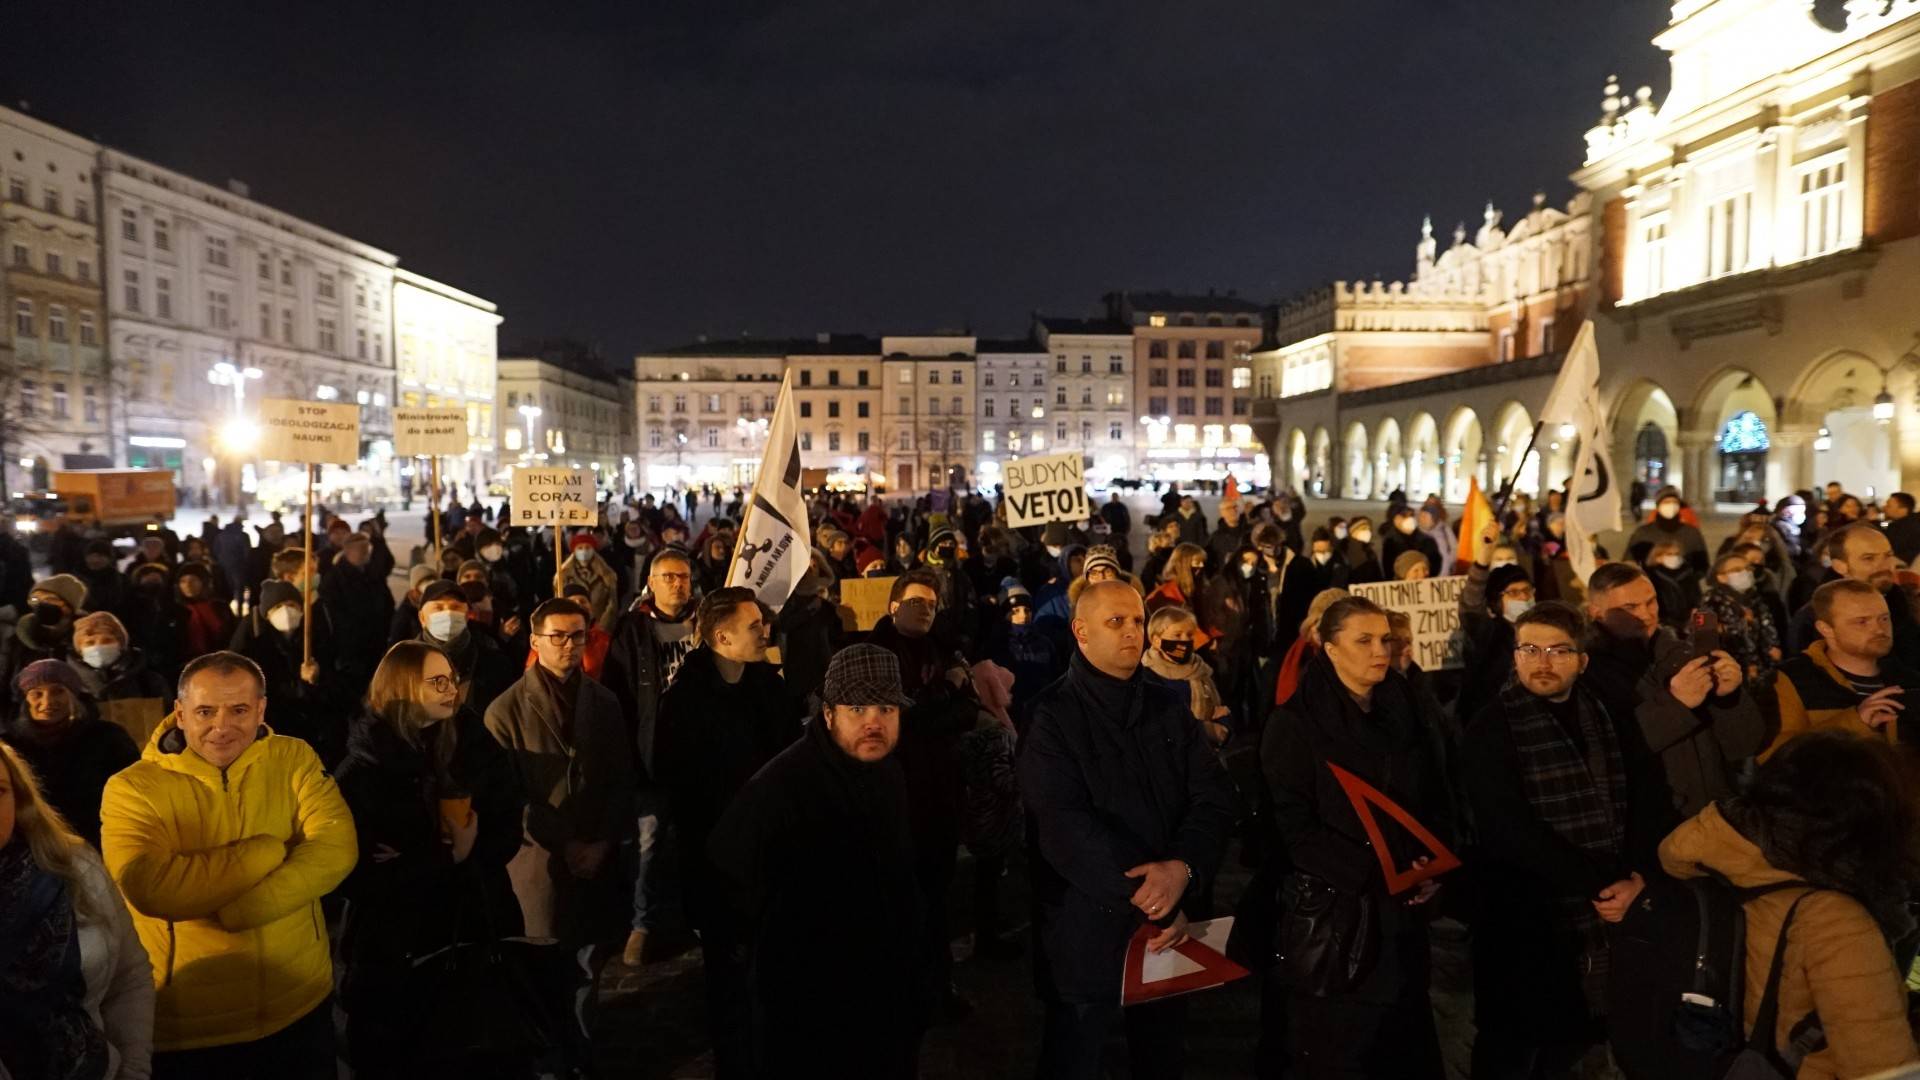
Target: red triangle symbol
1364, 796
1215, 970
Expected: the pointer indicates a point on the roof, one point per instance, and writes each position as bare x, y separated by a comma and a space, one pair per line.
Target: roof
1009, 345
818, 345
1226, 303
1056, 325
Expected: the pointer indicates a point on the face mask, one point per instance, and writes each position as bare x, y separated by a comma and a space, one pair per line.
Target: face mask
1322, 558
1176, 651
1339, 532
492, 552
100, 656
583, 554
1405, 525
1513, 609
446, 625
1669, 510
1054, 551
286, 618
1498, 563
49, 614
945, 552
1672, 562
1740, 580
1364, 536
635, 541
1285, 515
1246, 570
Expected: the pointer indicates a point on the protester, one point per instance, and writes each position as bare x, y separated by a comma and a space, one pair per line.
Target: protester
1131, 813
1746, 623
480, 664
1229, 535
437, 811
106, 586
1404, 535
124, 690
992, 824
822, 826
1492, 598
210, 621
1410, 566
573, 761
58, 733
1035, 657
1669, 523
1849, 679
1693, 711
1170, 655
154, 617
1181, 580
1676, 586
587, 569
1192, 523
79, 987
1568, 810
1861, 553
45, 631
359, 605
228, 904
1356, 552
1903, 527
1828, 810
305, 705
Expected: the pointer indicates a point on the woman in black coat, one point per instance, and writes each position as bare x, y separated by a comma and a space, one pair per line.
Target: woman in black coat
438, 813
1354, 711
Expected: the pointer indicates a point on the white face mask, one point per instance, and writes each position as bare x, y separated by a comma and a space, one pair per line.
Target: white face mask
1669, 510
1364, 536
286, 618
492, 552
1513, 609
100, 656
1740, 580
1405, 525
1500, 562
1246, 570
1672, 562
1339, 532
583, 554
446, 625
1054, 551
1322, 558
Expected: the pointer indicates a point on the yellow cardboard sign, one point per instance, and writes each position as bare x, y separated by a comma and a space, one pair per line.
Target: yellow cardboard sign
430, 432
314, 432
866, 598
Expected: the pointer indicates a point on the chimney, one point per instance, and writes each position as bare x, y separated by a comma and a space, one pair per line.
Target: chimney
239, 187
823, 338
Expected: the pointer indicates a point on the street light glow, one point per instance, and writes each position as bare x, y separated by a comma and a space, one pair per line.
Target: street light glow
239, 435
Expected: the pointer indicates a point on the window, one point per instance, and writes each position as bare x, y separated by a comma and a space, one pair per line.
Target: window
1186, 350
653, 403
956, 377
217, 313
16, 189
1060, 395
833, 408
328, 334
1214, 407
1116, 366
906, 373
1157, 376
906, 404
860, 410
1157, 350
90, 403
986, 442
1060, 365
50, 200
1183, 404
1113, 431
1727, 234
1183, 377
906, 440
861, 381
360, 342
1823, 193
1086, 432
713, 402
162, 235
60, 401
323, 286
806, 439
55, 264
1156, 319
23, 318
806, 376
57, 331
933, 406
22, 258
1506, 343
1215, 378
806, 409
679, 403
1116, 397
1242, 378
29, 397
131, 290
266, 321
1157, 406
82, 210
713, 438
933, 440
833, 377
1546, 334
860, 441
510, 438
130, 226
833, 442
83, 269
163, 298
266, 267
1086, 395
1013, 378
286, 325
1216, 350
1086, 365
653, 438
286, 272
1239, 406
1060, 431
359, 294
986, 407
89, 332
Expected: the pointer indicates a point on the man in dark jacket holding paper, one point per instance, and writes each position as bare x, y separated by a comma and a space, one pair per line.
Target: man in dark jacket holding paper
1131, 812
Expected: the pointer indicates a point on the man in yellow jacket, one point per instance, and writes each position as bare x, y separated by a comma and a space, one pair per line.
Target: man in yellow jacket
223, 837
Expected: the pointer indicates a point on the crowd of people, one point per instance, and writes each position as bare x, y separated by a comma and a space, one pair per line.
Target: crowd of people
260, 812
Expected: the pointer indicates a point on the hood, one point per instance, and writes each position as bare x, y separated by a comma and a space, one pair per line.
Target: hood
1066, 560
35, 636
1708, 842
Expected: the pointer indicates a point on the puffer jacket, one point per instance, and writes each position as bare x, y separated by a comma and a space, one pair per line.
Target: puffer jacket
1837, 964
224, 870
1813, 693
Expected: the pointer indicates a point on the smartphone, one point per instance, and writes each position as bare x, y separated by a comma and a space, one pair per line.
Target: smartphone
1703, 633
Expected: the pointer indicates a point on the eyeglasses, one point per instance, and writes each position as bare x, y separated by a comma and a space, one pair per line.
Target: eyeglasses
917, 602
1555, 653
578, 637
440, 684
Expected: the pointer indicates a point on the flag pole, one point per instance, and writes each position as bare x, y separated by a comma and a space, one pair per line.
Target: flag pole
1506, 489
307, 582
559, 563
433, 472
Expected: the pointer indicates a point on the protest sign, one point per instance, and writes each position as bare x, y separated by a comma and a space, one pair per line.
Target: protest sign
429, 432
543, 496
1043, 489
1434, 606
1198, 963
866, 599
314, 432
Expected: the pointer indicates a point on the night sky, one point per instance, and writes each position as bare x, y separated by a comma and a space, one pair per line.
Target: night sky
658, 171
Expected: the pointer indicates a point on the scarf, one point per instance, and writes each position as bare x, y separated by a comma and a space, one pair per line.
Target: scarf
45, 1031
205, 633
1196, 673
1581, 797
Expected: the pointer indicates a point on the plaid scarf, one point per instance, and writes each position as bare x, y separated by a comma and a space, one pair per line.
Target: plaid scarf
1582, 798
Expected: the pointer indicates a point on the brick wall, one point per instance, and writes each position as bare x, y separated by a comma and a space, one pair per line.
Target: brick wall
1363, 367
1893, 164
1613, 251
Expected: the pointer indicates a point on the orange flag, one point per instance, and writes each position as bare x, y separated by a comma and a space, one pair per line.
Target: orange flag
1473, 522
1232, 489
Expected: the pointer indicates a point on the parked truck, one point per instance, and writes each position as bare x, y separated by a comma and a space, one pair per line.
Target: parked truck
117, 501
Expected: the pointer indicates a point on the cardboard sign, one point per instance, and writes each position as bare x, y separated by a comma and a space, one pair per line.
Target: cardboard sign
1198, 963
1365, 797
315, 432
430, 432
866, 598
1433, 604
1043, 489
543, 496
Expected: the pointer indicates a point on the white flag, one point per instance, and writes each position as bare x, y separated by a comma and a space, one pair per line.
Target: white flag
774, 547
1575, 400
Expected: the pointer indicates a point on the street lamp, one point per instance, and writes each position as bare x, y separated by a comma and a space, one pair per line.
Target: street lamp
238, 435
529, 412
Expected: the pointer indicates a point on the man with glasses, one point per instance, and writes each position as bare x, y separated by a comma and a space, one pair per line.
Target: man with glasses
574, 761
1569, 812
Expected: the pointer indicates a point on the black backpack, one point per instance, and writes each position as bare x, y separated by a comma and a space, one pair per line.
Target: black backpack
1676, 987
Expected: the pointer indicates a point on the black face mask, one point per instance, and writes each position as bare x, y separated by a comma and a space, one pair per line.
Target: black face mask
1176, 651
945, 552
49, 614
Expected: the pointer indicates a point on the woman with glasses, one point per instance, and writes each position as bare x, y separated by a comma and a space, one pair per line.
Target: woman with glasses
438, 813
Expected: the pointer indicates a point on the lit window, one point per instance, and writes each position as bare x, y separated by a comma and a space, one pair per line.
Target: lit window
1823, 193
987, 442
1243, 377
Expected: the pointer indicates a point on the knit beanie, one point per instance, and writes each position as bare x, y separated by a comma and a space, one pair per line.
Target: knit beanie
66, 587
100, 621
48, 672
1101, 555
1408, 560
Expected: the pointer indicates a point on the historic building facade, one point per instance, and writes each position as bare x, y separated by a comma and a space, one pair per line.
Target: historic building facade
446, 343
1193, 384
1093, 392
549, 413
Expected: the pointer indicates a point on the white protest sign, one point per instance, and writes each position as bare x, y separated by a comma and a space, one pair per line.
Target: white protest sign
545, 496
314, 432
1434, 606
1043, 489
430, 432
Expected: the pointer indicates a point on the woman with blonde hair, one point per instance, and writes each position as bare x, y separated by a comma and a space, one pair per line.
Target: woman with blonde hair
1180, 579
438, 813
1306, 646
77, 984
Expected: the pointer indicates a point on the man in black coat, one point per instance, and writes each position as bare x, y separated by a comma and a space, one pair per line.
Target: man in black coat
359, 603
815, 893
1132, 812
480, 663
1403, 535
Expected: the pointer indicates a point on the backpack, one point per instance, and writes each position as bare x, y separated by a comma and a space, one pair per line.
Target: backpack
1676, 988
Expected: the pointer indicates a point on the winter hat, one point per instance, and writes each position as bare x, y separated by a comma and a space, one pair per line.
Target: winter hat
418, 576
583, 540
275, 593
939, 533
48, 672
138, 572
1056, 534
1018, 596
194, 569
1668, 492
865, 555
66, 587
98, 621
100, 547
1498, 582
474, 565
484, 537
993, 685
1406, 561
1102, 555
441, 590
